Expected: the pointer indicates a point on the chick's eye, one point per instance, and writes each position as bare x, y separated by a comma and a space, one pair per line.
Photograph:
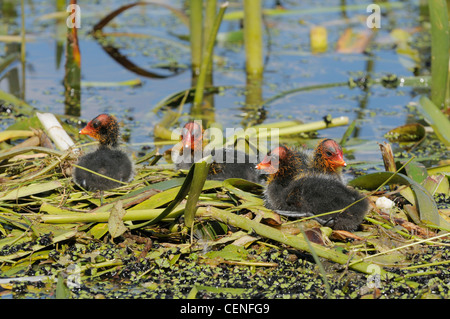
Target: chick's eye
95, 124
329, 154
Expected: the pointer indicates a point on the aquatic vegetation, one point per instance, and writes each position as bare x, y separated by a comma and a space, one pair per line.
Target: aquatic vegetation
175, 234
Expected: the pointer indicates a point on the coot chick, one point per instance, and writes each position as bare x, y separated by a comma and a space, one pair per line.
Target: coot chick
284, 165
107, 160
225, 163
231, 163
318, 194
297, 188
192, 144
328, 158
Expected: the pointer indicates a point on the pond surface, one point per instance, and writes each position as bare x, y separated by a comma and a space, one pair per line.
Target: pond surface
155, 39
289, 65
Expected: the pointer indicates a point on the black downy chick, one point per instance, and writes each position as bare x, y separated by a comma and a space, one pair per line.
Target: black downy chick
297, 189
107, 160
226, 162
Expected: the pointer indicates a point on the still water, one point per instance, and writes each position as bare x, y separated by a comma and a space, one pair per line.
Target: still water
289, 64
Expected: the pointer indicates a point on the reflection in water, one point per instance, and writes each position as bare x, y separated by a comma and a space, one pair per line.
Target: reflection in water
13, 51
72, 77
254, 112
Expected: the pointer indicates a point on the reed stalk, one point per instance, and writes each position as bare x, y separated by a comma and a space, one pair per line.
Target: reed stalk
102, 217
72, 77
439, 51
253, 38
210, 15
198, 180
22, 45
307, 127
200, 86
196, 36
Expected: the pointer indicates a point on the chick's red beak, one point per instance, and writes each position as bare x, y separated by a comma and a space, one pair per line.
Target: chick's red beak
266, 165
338, 160
191, 136
263, 165
89, 130
190, 142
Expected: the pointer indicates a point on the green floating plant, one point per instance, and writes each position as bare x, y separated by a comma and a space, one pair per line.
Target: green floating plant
438, 121
426, 206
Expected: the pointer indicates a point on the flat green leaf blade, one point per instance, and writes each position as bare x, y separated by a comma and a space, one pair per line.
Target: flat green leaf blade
440, 45
416, 171
196, 187
28, 190
426, 205
181, 195
244, 190
437, 120
62, 291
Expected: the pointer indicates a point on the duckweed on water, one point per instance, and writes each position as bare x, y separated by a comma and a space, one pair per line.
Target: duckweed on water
172, 267
294, 276
162, 261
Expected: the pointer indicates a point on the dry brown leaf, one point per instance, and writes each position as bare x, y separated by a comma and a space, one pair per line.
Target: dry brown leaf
315, 236
343, 235
351, 42
411, 227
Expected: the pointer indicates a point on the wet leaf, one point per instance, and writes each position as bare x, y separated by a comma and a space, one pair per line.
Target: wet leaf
412, 212
424, 202
196, 186
245, 190
344, 235
230, 252
351, 42
170, 191
98, 230
13, 134
314, 235
409, 135
16, 221
434, 116
411, 227
28, 190
177, 195
62, 291
116, 227
416, 171
445, 170
436, 184
391, 258
245, 241
318, 39
51, 209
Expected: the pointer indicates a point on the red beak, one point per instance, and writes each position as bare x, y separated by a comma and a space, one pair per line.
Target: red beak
339, 161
